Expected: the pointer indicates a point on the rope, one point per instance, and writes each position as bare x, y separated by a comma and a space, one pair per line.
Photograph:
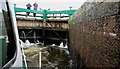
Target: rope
49, 62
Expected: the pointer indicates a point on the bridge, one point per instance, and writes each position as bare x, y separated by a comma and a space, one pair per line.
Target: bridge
45, 12
45, 15
43, 26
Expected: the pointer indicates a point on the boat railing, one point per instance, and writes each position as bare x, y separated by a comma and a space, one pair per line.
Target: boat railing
24, 57
10, 63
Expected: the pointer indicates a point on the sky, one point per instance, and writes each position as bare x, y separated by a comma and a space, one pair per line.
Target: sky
52, 4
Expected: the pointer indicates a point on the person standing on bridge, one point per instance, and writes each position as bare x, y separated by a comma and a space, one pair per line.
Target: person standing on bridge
35, 8
28, 7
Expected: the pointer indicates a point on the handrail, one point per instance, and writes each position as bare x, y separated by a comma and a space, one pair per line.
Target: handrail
44, 12
21, 44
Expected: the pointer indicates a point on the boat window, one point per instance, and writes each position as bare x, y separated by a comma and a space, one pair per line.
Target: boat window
9, 47
3, 34
3, 7
3, 31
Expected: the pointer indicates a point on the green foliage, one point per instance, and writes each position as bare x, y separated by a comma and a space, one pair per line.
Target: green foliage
71, 22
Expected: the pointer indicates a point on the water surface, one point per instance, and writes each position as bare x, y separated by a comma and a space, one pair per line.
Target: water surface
52, 56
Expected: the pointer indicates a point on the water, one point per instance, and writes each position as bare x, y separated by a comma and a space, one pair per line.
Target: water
57, 56
24, 35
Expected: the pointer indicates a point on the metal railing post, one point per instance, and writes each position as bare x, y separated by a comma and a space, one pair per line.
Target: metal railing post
40, 60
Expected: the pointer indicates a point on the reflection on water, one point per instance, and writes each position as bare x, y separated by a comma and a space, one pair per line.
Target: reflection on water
58, 57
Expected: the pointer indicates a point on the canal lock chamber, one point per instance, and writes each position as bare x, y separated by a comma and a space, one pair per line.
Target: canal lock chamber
53, 44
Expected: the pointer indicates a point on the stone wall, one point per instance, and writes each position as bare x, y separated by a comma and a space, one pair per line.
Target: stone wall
95, 34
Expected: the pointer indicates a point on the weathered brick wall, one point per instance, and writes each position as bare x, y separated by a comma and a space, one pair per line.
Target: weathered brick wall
95, 34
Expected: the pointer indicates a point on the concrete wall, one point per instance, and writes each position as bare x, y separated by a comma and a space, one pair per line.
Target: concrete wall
95, 34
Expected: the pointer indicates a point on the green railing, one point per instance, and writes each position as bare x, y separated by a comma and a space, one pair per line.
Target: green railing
45, 12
